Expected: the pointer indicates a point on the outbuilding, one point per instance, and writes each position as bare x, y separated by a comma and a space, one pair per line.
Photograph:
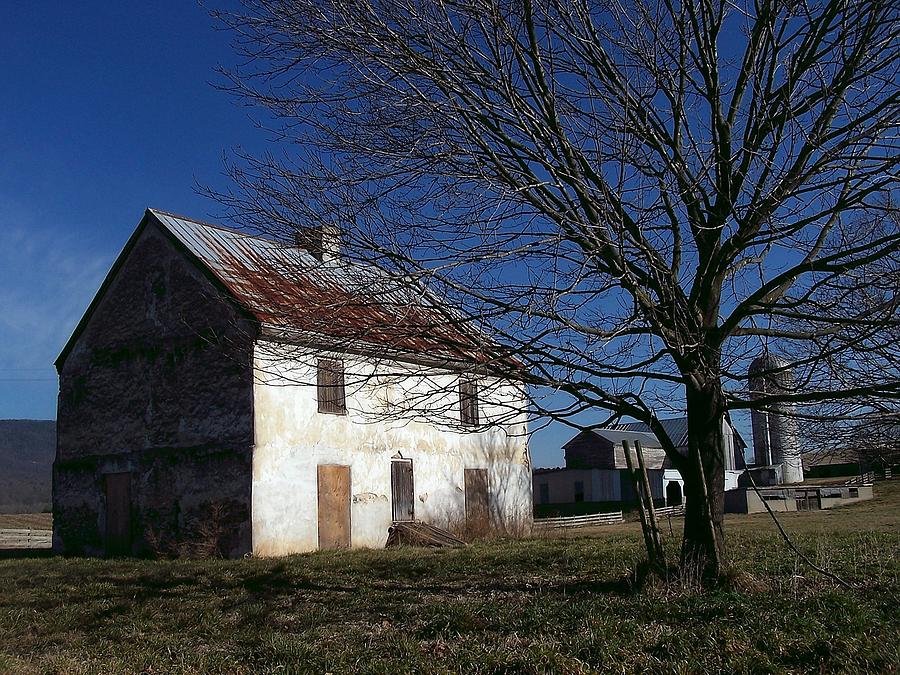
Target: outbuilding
596, 472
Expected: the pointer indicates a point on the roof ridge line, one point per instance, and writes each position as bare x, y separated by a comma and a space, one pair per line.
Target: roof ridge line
215, 226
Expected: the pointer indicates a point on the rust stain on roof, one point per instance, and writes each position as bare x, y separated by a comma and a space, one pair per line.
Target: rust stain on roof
285, 287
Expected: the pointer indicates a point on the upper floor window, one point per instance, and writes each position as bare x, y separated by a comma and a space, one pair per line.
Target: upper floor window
330, 387
468, 402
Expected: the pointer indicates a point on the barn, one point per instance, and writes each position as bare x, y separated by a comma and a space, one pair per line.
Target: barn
596, 470
226, 394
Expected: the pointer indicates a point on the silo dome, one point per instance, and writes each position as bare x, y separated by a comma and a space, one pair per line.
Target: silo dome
775, 436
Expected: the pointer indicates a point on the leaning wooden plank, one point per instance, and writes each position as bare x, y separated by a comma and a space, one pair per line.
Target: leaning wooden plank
420, 534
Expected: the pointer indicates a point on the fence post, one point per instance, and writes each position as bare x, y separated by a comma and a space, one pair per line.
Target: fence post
648, 497
645, 526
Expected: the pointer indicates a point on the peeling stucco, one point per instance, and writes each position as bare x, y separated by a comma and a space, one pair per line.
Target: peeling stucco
292, 438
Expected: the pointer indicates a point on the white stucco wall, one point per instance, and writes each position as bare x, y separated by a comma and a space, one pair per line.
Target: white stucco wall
292, 438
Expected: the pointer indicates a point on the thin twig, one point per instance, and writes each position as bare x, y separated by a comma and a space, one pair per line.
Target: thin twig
787, 539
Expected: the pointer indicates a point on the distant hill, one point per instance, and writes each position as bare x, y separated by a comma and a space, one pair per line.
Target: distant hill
27, 448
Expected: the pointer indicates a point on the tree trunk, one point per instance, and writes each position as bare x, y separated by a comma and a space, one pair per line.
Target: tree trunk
703, 546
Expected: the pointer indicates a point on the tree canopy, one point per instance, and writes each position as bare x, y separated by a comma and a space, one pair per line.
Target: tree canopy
632, 199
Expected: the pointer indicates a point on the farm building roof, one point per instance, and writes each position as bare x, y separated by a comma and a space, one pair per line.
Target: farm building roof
837, 457
616, 436
677, 430
289, 291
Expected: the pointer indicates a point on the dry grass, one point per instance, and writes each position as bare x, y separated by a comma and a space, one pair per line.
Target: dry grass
881, 513
571, 605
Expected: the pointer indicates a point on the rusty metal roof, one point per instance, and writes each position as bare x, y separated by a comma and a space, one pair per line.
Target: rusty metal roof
283, 286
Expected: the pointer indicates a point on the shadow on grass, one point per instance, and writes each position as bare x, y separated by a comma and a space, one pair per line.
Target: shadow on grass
248, 595
6, 553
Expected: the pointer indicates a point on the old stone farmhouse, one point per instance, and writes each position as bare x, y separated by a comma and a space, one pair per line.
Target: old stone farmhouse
230, 394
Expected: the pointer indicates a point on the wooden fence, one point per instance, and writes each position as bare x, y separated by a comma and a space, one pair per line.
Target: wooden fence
865, 479
567, 522
26, 538
670, 511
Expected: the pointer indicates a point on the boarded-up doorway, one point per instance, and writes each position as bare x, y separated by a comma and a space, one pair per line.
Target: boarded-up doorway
402, 505
808, 500
478, 515
334, 506
118, 513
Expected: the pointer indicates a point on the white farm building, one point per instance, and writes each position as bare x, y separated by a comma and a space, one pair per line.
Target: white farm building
596, 470
232, 392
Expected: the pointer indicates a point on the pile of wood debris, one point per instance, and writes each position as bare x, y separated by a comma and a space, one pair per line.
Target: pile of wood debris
411, 533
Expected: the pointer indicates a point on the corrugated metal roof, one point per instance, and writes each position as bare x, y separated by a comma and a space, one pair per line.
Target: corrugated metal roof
285, 287
676, 429
616, 436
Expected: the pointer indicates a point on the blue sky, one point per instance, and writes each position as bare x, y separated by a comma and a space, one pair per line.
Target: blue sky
108, 109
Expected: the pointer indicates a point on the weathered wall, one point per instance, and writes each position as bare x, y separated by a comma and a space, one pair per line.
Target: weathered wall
292, 438
589, 451
785, 499
843, 495
561, 485
654, 458
157, 384
600, 485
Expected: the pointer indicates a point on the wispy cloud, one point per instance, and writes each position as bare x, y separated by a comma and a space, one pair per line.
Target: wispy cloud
48, 275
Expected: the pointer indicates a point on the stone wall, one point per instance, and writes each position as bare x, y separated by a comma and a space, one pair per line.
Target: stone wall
158, 384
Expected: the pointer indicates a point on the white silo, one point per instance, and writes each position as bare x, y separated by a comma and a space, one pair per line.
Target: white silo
775, 436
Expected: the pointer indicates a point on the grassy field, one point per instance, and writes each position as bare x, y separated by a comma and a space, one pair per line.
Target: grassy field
567, 605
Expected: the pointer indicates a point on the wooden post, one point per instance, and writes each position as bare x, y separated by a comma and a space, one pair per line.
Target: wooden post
708, 507
645, 527
648, 496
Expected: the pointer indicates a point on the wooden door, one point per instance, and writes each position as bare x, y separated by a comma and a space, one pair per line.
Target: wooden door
118, 513
478, 515
402, 503
334, 506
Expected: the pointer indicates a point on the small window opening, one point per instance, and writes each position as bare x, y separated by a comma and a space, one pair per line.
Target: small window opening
579, 491
468, 402
330, 387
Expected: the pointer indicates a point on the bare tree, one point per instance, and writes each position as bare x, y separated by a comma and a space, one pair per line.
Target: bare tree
862, 428
630, 198
866, 433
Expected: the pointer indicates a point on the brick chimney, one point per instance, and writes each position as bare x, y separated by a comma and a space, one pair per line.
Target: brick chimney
322, 242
